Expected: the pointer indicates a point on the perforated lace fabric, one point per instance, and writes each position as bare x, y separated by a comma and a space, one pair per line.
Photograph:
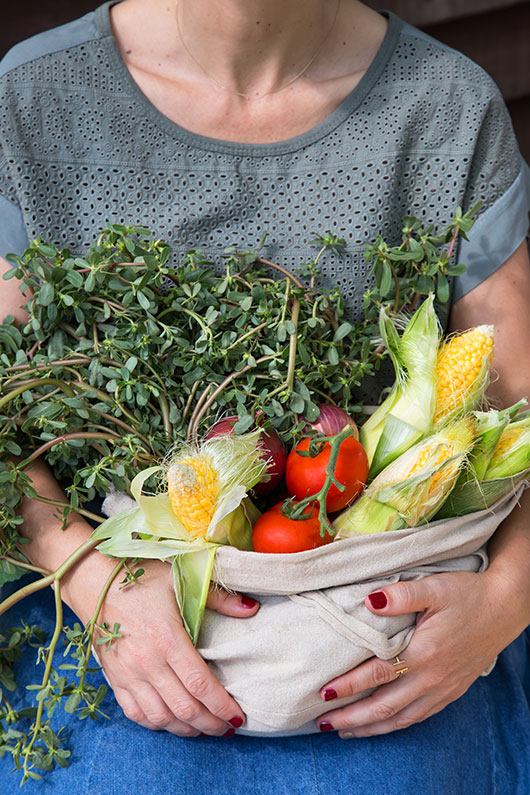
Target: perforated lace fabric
425, 130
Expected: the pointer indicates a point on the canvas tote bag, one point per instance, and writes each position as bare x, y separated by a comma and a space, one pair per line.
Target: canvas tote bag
313, 625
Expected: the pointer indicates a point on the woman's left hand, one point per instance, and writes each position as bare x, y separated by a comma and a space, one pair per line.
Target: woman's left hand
464, 621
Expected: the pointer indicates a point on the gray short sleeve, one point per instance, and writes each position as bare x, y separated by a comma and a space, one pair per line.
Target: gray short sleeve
13, 234
497, 233
500, 179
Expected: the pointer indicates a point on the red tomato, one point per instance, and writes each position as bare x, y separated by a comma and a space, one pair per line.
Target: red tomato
274, 532
306, 476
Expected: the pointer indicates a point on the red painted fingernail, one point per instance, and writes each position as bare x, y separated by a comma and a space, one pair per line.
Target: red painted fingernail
326, 726
229, 733
378, 599
330, 694
248, 602
237, 722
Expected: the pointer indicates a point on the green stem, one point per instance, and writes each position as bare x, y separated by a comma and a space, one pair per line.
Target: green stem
105, 397
164, 410
43, 366
396, 282
293, 343
23, 565
198, 319
49, 660
321, 496
190, 400
81, 511
197, 408
123, 425
71, 331
33, 383
317, 258
453, 243
67, 436
91, 626
285, 300
252, 331
194, 422
277, 267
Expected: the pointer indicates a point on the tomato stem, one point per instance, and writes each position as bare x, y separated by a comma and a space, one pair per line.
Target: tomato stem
298, 510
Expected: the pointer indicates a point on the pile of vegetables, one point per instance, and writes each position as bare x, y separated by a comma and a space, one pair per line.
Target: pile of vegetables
130, 369
413, 468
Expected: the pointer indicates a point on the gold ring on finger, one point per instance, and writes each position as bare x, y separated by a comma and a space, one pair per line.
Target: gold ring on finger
400, 671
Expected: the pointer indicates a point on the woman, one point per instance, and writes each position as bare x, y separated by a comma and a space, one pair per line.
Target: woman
210, 122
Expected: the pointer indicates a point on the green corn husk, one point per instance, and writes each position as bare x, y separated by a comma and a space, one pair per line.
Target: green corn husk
412, 488
407, 413
473, 496
496, 467
490, 425
512, 453
154, 529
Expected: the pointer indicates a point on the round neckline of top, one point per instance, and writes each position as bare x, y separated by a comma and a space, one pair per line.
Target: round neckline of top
242, 149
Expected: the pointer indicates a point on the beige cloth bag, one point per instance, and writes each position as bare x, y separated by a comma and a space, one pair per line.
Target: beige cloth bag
313, 625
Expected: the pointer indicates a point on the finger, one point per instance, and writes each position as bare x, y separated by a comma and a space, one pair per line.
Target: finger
133, 711
383, 705
180, 704
231, 604
418, 711
157, 715
413, 596
370, 674
199, 682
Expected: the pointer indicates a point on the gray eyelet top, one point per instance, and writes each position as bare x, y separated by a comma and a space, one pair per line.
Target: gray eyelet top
425, 130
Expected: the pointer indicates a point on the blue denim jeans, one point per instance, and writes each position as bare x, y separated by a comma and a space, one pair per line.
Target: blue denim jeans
479, 745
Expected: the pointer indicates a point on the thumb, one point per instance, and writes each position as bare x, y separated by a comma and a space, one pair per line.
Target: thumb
402, 597
231, 604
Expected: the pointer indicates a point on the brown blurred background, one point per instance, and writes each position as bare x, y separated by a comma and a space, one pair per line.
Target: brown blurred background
494, 33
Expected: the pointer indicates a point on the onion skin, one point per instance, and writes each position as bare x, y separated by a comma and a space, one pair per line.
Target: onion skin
332, 420
273, 450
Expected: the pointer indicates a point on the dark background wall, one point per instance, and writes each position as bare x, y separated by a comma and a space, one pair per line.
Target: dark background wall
494, 33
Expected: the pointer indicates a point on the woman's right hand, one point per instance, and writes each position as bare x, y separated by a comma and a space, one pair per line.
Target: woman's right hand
158, 678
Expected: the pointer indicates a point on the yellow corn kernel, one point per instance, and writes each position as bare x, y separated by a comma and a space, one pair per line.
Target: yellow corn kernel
193, 490
508, 440
459, 369
426, 459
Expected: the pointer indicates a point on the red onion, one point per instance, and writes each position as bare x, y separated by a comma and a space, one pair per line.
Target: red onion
273, 451
332, 420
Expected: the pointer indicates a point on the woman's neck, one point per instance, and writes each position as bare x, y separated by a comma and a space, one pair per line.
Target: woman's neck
237, 54
248, 46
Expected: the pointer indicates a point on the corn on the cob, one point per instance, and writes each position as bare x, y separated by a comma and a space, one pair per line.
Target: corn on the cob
499, 461
512, 453
203, 504
413, 487
193, 488
406, 415
462, 371
207, 483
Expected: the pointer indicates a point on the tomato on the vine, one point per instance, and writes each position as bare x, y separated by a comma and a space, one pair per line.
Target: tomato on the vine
305, 475
274, 532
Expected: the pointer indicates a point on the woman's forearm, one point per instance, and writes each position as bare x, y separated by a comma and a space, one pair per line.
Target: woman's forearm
49, 545
509, 552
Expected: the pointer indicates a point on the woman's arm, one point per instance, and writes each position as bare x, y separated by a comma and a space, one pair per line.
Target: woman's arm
465, 619
158, 678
